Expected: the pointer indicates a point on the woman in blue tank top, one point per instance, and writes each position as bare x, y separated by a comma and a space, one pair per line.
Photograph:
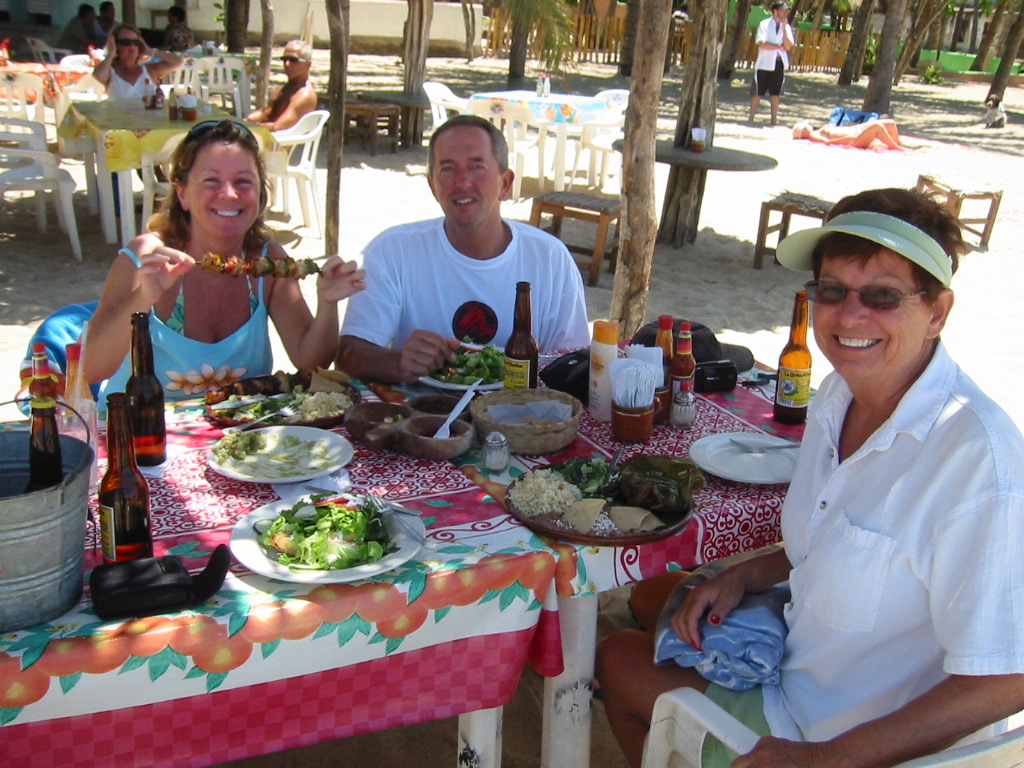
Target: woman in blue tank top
209, 328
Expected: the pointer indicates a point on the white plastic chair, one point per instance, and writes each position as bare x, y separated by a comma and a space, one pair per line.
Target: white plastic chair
151, 184
44, 53
39, 174
88, 88
442, 102
516, 121
597, 139
617, 98
226, 77
81, 61
683, 717
187, 76
295, 158
14, 100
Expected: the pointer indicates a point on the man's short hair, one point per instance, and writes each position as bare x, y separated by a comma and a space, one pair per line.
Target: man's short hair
780, 5
105, 5
498, 143
86, 10
176, 13
305, 50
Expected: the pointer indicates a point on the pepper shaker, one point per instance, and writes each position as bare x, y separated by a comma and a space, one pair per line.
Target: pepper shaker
496, 455
684, 410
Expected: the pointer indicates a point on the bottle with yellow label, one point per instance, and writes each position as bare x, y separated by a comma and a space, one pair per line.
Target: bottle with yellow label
521, 348
603, 350
793, 389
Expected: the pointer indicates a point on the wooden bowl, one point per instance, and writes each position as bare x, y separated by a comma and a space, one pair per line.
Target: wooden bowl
415, 437
366, 423
437, 405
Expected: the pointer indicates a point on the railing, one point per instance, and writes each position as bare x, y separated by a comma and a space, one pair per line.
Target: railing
599, 39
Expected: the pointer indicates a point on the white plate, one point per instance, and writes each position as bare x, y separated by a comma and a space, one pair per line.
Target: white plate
245, 546
460, 387
717, 455
338, 453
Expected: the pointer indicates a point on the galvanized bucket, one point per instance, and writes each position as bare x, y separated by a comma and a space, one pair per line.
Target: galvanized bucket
42, 534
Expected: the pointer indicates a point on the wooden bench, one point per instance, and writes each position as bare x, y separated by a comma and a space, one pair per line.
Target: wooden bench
789, 204
954, 200
365, 119
573, 205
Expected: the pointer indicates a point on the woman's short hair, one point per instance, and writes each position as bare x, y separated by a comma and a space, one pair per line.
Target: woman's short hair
172, 222
921, 210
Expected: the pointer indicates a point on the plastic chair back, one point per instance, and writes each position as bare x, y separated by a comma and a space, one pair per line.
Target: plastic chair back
442, 102
21, 96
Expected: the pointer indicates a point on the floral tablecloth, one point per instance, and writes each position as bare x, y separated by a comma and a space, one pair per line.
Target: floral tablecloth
556, 107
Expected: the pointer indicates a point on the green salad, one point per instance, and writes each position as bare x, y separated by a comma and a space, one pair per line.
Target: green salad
469, 365
327, 533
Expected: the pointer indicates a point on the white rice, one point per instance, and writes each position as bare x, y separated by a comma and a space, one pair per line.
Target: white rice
321, 405
543, 491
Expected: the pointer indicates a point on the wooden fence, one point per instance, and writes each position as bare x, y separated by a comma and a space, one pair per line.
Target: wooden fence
600, 39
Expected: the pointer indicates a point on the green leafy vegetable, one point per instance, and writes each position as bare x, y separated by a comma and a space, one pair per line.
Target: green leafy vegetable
469, 365
589, 475
327, 534
660, 484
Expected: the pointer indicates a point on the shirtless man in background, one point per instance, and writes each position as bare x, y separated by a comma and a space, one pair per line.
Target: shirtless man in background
293, 99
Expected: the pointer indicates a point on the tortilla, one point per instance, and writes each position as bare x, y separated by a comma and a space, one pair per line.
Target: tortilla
634, 519
328, 381
583, 514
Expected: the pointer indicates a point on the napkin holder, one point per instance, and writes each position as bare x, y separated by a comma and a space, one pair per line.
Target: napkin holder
152, 585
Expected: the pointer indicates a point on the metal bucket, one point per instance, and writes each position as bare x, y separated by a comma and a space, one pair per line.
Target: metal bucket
42, 534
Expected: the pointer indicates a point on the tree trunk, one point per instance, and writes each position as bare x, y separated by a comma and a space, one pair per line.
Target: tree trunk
858, 43
518, 47
984, 57
128, 12
819, 15
958, 29
417, 40
738, 25
639, 222
697, 106
879, 92
337, 25
1013, 41
629, 36
469, 19
238, 25
266, 52
928, 14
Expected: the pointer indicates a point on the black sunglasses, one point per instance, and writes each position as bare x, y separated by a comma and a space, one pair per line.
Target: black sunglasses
200, 129
871, 296
129, 41
291, 59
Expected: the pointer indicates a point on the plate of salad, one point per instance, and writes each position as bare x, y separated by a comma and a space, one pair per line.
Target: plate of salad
471, 362
280, 454
312, 409
323, 539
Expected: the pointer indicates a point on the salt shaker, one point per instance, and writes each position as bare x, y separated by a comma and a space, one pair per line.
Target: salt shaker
496, 454
684, 410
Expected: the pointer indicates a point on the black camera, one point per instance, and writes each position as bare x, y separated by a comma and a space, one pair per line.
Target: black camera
715, 376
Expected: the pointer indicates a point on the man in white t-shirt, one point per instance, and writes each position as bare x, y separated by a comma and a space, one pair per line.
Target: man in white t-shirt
774, 41
433, 283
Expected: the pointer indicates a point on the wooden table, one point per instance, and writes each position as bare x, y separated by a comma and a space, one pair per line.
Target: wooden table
696, 165
413, 107
368, 118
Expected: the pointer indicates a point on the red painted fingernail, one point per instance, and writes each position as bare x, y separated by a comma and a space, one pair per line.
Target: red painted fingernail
714, 619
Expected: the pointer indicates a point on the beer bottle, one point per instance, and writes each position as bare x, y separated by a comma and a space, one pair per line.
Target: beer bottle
45, 464
124, 496
146, 395
793, 388
663, 394
683, 364
521, 347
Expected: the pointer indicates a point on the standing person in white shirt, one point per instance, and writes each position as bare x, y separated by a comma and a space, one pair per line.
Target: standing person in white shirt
774, 41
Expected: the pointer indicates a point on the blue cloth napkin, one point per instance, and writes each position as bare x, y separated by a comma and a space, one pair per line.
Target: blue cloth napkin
743, 651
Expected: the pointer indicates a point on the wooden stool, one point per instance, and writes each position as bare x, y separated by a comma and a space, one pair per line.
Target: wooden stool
789, 204
574, 205
365, 119
954, 200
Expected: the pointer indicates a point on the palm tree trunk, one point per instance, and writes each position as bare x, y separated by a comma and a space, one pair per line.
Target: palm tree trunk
727, 62
928, 12
639, 222
629, 39
1013, 41
469, 19
858, 43
337, 85
517, 50
984, 57
879, 92
238, 24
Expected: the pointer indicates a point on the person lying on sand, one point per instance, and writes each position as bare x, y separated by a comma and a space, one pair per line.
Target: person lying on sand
860, 135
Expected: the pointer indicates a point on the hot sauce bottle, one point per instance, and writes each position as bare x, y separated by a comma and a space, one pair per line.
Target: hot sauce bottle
45, 463
521, 348
683, 364
663, 394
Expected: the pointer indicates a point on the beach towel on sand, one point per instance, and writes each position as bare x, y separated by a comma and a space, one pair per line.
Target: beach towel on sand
743, 651
844, 116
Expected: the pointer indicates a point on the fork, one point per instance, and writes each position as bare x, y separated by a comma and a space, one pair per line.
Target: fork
285, 412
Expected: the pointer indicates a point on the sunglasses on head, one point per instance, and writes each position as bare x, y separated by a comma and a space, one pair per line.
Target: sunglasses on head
290, 59
199, 129
871, 296
129, 41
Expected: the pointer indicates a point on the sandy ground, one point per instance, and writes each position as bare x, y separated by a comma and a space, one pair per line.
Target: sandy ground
710, 280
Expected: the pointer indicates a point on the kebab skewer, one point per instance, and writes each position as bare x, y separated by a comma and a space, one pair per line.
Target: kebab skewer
236, 266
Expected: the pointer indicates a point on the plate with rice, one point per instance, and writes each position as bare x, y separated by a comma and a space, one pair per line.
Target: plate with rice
550, 504
323, 410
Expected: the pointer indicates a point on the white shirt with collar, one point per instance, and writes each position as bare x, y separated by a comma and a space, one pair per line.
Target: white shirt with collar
767, 33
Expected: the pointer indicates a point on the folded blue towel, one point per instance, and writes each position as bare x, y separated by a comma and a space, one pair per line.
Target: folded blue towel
743, 651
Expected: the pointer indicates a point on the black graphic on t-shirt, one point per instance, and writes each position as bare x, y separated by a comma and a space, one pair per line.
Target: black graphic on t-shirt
475, 320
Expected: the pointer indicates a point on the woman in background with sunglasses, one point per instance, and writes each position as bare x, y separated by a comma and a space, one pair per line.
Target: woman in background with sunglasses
902, 527
130, 62
210, 329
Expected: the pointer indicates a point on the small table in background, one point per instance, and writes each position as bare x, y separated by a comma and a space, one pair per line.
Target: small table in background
368, 118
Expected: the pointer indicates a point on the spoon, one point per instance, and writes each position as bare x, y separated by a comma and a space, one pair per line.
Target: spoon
752, 448
446, 429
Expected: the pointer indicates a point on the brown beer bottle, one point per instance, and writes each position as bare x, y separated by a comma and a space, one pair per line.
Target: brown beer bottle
683, 364
521, 347
146, 395
793, 389
123, 493
45, 463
